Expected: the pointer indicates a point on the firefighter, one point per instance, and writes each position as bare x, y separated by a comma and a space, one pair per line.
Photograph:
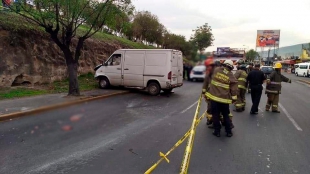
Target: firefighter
210, 65
222, 91
249, 69
273, 88
241, 76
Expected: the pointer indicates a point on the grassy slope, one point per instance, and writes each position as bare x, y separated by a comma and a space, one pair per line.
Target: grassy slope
11, 21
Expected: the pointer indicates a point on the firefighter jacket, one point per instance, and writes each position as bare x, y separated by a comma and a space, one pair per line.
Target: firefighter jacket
206, 82
223, 86
241, 76
274, 82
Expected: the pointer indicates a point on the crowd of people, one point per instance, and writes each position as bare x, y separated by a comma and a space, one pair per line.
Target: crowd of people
222, 87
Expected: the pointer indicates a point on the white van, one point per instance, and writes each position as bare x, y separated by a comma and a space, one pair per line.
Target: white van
302, 69
151, 69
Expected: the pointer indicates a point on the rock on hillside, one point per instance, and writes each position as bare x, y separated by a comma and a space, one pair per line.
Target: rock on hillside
31, 57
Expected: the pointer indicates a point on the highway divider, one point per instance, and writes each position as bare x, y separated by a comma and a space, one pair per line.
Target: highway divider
190, 132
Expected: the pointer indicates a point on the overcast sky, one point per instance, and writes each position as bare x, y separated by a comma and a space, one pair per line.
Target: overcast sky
234, 22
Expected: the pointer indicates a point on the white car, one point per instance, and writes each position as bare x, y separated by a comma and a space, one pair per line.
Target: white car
198, 73
302, 69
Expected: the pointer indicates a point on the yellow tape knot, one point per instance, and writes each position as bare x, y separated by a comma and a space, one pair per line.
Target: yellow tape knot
164, 156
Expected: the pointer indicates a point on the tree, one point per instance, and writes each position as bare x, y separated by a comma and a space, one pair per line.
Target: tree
203, 37
61, 19
251, 55
145, 26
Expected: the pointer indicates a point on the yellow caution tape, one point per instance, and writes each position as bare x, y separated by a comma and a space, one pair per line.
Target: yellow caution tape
190, 141
179, 142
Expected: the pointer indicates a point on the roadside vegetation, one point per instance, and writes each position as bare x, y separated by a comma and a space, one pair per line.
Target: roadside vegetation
87, 83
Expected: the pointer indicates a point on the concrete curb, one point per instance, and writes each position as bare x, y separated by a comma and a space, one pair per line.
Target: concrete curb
304, 81
56, 106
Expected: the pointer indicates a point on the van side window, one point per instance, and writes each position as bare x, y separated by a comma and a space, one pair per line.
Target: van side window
115, 60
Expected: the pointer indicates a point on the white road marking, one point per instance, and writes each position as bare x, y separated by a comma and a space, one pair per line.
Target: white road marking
189, 107
290, 118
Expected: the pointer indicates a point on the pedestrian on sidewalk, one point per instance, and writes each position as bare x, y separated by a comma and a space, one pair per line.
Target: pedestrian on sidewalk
222, 92
273, 88
256, 78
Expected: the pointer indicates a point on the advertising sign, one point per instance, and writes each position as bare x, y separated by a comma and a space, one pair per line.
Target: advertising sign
268, 38
223, 50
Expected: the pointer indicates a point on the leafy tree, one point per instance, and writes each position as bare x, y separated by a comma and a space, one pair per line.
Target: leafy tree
203, 37
251, 55
61, 19
145, 26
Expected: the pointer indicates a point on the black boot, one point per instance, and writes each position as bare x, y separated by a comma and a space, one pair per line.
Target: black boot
216, 133
209, 122
238, 110
276, 111
229, 134
243, 109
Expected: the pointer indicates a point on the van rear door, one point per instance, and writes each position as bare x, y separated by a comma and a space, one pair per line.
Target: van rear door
180, 68
174, 68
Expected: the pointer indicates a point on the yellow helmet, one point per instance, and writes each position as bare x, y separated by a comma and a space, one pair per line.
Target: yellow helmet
278, 65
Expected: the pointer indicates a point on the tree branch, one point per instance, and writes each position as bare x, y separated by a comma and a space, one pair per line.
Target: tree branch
87, 35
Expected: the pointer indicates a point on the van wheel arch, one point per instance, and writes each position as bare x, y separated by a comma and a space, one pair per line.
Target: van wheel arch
153, 87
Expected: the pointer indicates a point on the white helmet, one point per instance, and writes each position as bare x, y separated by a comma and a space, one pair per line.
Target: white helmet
229, 63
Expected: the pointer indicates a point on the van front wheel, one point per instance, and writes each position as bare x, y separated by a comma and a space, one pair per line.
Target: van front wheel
104, 83
153, 88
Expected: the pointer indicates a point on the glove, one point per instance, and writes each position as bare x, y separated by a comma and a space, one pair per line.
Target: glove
203, 91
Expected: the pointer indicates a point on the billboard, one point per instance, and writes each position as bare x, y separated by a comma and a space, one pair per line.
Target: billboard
229, 52
222, 50
268, 38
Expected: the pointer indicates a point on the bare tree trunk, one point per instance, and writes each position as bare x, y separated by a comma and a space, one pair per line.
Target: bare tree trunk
72, 67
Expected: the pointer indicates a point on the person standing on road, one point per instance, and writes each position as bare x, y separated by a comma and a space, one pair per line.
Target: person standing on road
249, 69
189, 69
256, 78
273, 88
241, 76
210, 66
222, 92
184, 70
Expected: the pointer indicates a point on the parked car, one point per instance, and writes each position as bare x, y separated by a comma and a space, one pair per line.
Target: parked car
302, 69
267, 70
150, 69
198, 73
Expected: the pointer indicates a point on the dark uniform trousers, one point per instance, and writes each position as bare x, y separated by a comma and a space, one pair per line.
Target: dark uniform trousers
256, 93
217, 109
273, 100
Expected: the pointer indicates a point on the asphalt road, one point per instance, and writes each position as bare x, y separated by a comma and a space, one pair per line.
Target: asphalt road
124, 134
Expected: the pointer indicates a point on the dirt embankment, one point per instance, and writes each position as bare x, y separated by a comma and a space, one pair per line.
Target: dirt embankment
31, 57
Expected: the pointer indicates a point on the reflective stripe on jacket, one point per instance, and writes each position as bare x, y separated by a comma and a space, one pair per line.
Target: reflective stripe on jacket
274, 82
241, 75
223, 87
